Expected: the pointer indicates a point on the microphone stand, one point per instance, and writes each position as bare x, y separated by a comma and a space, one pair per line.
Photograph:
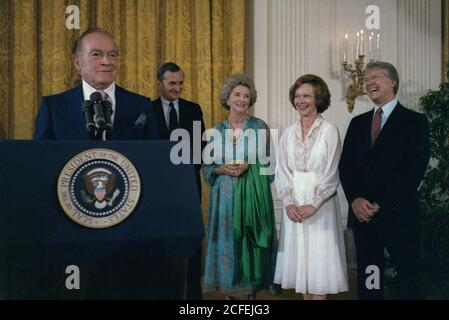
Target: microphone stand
107, 109
89, 117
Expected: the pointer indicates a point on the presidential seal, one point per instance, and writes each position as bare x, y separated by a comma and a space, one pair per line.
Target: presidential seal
98, 188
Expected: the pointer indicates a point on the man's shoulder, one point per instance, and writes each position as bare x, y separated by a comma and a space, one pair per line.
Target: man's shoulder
410, 112
64, 94
362, 116
189, 103
157, 100
191, 106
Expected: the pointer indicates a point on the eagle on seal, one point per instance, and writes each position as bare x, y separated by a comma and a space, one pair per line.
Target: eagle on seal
99, 183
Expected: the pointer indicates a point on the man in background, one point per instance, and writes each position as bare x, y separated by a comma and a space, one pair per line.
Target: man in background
172, 112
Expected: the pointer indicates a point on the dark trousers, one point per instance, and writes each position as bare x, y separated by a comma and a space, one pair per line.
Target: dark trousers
402, 243
193, 291
193, 288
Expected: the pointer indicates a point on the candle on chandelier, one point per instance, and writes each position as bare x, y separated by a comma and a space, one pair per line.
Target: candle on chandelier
362, 49
378, 47
346, 48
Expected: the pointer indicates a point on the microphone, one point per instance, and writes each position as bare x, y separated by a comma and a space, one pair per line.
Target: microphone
88, 115
107, 107
97, 101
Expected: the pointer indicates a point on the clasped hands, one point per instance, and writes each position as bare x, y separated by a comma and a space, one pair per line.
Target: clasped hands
364, 210
233, 170
299, 213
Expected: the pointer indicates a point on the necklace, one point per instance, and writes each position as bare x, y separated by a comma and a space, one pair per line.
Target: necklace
236, 137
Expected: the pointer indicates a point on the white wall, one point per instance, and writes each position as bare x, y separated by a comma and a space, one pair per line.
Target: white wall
294, 37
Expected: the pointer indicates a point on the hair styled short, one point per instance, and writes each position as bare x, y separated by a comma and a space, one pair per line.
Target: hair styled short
322, 94
78, 43
168, 66
390, 71
238, 79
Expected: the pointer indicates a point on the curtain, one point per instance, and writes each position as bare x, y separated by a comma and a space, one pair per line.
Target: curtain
445, 35
204, 37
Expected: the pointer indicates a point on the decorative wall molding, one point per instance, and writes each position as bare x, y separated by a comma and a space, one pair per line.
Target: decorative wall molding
419, 48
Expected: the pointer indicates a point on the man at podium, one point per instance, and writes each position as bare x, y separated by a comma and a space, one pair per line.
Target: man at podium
60, 116
64, 117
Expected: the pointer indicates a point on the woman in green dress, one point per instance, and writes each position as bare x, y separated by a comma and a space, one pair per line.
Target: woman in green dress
241, 233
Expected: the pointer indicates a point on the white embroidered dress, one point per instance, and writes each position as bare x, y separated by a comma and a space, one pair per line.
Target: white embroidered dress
311, 255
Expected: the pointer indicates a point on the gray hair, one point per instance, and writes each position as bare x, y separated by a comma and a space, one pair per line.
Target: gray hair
389, 70
78, 43
238, 79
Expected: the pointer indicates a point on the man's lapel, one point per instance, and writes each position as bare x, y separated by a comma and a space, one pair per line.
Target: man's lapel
119, 112
71, 113
183, 114
367, 129
160, 119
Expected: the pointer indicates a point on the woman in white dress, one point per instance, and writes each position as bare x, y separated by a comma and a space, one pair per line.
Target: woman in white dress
311, 254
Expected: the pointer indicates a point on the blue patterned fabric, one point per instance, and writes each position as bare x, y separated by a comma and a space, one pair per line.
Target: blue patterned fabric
222, 248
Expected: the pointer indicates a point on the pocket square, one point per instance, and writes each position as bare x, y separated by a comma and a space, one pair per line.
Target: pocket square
140, 122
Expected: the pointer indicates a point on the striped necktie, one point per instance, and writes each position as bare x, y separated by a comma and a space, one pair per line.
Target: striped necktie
375, 126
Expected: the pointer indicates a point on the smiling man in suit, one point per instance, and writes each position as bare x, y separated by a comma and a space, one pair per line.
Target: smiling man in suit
60, 117
384, 159
171, 113
95, 56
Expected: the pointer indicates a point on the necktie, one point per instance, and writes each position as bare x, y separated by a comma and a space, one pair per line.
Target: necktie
375, 126
173, 118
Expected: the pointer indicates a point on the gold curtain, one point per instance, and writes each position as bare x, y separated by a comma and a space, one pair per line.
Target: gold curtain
205, 37
445, 35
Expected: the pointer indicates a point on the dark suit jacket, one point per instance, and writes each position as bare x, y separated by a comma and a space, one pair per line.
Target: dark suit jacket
188, 113
391, 171
60, 117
